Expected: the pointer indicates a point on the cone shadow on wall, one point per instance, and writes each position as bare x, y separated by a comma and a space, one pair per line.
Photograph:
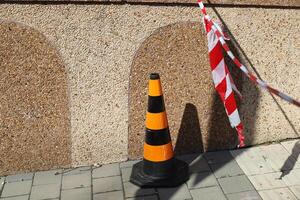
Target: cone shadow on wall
159, 167
189, 139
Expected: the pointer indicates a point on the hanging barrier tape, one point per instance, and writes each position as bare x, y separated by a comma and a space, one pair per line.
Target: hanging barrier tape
221, 76
217, 30
223, 81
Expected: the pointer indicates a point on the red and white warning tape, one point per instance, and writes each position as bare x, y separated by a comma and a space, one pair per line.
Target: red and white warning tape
223, 81
221, 76
257, 81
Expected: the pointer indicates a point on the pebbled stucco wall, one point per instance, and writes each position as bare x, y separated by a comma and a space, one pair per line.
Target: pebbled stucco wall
98, 42
34, 103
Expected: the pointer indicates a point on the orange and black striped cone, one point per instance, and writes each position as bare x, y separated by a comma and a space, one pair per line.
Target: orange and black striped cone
159, 167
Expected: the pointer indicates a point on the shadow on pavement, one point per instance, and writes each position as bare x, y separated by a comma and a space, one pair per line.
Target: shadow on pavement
290, 161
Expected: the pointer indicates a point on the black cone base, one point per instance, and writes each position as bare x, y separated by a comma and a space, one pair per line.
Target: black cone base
179, 175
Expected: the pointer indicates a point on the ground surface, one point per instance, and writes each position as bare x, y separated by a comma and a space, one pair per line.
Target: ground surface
261, 172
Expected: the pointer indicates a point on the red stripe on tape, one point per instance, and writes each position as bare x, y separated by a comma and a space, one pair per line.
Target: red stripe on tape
221, 88
237, 62
215, 56
230, 104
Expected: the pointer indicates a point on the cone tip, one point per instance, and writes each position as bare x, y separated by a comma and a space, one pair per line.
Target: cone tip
154, 76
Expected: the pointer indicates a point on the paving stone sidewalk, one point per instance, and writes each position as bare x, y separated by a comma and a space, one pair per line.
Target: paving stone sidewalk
268, 172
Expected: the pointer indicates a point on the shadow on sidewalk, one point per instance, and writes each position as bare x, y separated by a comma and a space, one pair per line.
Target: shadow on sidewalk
290, 162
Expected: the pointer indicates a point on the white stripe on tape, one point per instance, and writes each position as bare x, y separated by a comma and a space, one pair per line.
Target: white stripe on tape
219, 73
230, 55
212, 40
244, 69
286, 97
222, 40
207, 17
234, 118
201, 5
228, 87
262, 83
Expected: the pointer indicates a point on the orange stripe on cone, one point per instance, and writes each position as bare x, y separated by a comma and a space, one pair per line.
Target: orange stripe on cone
156, 121
158, 153
154, 88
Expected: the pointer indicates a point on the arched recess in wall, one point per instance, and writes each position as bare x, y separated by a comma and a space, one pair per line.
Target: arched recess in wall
197, 118
34, 112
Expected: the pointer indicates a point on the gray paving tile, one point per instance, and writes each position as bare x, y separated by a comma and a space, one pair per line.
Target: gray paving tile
129, 163
209, 193
126, 173
199, 180
175, 193
107, 184
47, 177
218, 157
235, 184
76, 181
152, 197
106, 170
19, 177
277, 194
25, 197
296, 190
132, 190
78, 170
197, 163
77, 194
249, 195
267, 181
16, 188
292, 146
2, 181
50, 191
279, 158
252, 161
198, 166
189, 157
116, 195
222, 170
292, 178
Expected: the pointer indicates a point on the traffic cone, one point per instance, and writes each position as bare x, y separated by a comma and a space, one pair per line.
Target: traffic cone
159, 167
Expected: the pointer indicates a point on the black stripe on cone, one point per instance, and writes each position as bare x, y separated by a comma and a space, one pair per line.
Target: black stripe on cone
156, 104
154, 76
166, 173
157, 137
